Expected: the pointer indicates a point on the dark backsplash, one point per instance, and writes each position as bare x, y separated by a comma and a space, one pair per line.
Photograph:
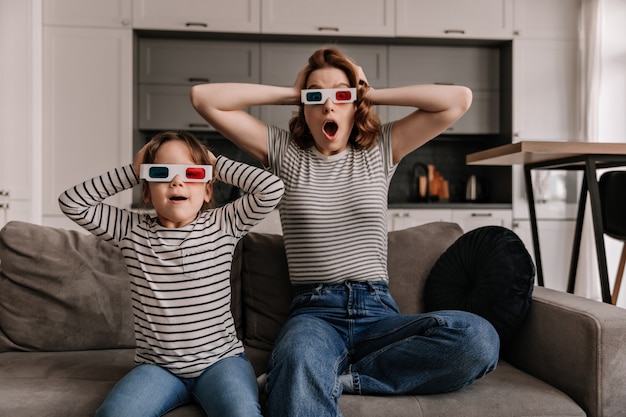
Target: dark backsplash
447, 153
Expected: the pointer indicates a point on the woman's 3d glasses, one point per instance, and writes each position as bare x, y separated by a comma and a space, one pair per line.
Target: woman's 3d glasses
337, 95
167, 172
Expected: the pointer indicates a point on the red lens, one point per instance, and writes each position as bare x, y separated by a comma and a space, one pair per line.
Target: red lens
343, 95
195, 173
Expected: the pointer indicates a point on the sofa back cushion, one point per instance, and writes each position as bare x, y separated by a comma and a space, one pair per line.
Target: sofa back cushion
266, 290
61, 290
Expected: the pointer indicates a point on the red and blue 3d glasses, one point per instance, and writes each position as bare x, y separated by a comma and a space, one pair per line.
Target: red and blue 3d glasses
337, 95
167, 172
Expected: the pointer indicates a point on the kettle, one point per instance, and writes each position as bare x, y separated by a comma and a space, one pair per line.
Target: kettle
473, 189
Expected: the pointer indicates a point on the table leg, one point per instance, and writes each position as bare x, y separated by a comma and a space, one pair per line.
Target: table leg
533, 224
580, 217
596, 214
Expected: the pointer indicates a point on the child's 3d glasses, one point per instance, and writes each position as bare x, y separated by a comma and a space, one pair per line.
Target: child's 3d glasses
337, 95
167, 172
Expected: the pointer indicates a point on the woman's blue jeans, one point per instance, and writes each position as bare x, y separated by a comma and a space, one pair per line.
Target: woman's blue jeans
226, 388
351, 338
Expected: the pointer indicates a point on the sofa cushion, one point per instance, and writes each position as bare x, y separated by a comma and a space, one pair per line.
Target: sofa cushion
61, 290
487, 271
266, 290
412, 254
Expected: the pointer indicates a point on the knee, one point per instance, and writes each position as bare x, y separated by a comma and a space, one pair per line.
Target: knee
481, 342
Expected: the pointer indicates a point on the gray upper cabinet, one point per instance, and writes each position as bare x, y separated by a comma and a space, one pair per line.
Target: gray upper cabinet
281, 62
546, 19
328, 17
474, 67
198, 16
164, 83
475, 19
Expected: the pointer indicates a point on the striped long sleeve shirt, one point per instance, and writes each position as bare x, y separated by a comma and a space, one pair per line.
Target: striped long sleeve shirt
180, 278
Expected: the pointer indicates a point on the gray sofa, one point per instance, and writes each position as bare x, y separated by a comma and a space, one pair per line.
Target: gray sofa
66, 331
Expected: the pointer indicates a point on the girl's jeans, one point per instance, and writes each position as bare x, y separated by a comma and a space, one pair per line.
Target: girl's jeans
226, 388
351, 338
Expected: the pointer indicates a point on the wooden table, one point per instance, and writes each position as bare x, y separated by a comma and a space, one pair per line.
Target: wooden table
584, 156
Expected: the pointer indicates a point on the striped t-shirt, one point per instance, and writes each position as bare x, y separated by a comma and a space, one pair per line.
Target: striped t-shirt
334, 211
180, 277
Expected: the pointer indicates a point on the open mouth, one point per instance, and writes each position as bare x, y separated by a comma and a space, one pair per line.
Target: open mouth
330, 128
178, 198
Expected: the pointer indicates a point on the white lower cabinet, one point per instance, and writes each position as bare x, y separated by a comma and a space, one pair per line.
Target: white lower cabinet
405, 218
270, 224
473, 219
468, 219
556, 238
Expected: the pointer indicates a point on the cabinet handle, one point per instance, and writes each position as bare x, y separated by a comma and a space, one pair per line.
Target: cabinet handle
481, 215
5, 217
452, 31
327, 28
203, 25
4, 193
199, 80
191, 125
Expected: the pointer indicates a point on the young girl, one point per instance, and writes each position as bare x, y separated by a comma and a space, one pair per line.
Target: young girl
179, 264
344, 332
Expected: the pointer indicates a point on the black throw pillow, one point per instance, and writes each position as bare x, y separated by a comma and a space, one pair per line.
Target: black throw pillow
487, 271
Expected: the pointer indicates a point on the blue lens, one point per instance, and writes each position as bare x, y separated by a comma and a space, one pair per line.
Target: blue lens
314, 96
159, 172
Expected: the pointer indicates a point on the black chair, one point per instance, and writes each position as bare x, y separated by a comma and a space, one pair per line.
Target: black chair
612, 200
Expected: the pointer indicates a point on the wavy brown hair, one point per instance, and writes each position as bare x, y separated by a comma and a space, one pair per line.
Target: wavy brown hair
367, 126
197, 150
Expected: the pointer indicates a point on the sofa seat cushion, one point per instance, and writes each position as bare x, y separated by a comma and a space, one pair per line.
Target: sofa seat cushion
505, 392
61, 290
487, 271
64, 384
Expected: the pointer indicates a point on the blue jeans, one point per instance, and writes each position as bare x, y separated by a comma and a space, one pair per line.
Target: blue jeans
350, 337
226, 388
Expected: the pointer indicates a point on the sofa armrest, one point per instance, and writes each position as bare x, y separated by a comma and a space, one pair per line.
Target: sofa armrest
576, 345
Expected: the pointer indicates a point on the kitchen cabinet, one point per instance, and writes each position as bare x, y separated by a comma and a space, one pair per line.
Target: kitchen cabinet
198, 16
475, 67
546, 19
546, 98
405, 218
555, 239
90, 13
477, 19
87, 110
328, 17
270, 224
281, 62
546, 92
164, 83
468, 219
18, 114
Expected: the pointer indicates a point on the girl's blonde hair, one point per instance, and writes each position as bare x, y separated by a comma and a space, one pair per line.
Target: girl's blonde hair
198, 155
367, 125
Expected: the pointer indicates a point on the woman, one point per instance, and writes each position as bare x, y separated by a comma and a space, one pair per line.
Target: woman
344, 332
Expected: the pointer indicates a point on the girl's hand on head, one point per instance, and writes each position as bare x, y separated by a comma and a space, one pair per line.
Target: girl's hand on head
212, 158
139, 159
